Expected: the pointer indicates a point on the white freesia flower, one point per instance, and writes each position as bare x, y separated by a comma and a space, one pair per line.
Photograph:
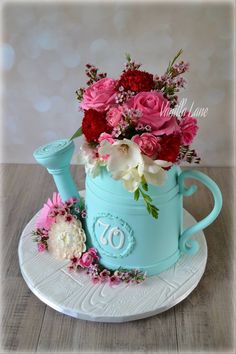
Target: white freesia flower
66, 239
132, 179
90, 160
124, 155
153, 170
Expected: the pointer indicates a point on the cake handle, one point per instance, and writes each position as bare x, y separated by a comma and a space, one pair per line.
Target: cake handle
185, 244
56, 157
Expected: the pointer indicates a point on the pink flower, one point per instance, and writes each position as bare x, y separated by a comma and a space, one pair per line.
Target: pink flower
69, 218
74, 259
114, 115
44, 220
100, 96
148, 143
70, 202
62, 212
41, 247
104, 275
96, 279
88, 258
106, 136
189, 128
114, 280
155, 112
84, 214
93, 252
71, 268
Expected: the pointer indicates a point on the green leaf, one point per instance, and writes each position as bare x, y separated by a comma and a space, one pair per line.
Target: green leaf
77, 134
147, 198
149, 208
144, 185
171, 63
128, 57
136, 194
154, 211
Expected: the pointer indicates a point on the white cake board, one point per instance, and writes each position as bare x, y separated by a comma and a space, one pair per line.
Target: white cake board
73, 294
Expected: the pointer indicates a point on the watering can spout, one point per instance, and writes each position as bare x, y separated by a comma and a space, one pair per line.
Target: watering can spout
56, 157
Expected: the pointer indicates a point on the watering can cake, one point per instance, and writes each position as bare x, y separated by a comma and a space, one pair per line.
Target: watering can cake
133, 147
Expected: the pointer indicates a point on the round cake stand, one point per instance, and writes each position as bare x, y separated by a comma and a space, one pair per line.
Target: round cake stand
73, 294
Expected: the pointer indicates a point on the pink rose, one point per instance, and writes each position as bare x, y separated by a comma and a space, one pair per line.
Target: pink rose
189, 128
88, 258
106, 136
148, 143
99, 96
93, 252
114, 116
41, 247
155, 112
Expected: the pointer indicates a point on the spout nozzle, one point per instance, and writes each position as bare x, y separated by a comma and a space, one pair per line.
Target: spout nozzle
56, 157
56, 154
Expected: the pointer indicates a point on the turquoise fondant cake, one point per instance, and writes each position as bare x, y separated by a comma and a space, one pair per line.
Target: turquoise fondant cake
131, 222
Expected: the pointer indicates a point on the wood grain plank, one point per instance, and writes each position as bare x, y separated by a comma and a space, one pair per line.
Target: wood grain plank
152, 334
204, 321
22, 316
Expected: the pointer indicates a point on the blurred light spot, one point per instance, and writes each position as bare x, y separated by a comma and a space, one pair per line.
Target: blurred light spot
56, 71
7, 59
47, 40
71, 60
98, 45
42, 104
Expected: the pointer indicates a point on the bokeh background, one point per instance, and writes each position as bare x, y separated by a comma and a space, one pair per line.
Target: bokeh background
45, 47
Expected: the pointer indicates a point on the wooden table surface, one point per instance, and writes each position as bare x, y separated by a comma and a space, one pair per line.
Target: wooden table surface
201, 323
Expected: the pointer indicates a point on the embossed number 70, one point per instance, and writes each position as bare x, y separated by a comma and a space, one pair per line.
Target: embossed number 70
114, 231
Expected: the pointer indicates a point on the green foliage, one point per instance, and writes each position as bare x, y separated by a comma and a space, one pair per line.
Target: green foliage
136, 194
128, 57
152, 209
77, 134
171, 63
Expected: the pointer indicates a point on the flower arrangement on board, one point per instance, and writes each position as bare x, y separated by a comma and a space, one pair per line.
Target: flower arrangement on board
130, 126
59, 231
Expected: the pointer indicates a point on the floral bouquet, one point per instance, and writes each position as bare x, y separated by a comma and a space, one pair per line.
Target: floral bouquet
131, 126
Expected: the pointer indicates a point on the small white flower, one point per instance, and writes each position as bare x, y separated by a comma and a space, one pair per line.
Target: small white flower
66, 239
90, 160
124, 155
153, 170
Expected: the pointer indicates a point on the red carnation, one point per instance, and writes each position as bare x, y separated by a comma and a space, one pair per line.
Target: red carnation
170, 145
136, 80
94, 123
